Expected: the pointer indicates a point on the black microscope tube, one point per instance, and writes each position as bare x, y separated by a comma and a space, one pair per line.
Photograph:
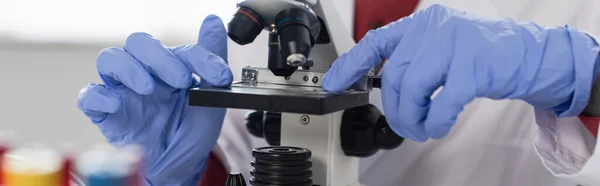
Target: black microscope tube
277, 65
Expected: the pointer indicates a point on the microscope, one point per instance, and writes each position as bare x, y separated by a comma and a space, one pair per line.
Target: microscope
316, 138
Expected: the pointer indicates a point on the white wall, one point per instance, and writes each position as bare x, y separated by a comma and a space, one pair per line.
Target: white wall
39, 88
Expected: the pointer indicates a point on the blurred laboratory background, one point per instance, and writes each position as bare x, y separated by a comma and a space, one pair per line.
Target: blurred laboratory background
48, 53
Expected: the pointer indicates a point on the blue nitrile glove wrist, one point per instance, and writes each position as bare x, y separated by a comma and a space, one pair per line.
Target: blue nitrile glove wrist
144, 101
587, 72
566, 69
552, 68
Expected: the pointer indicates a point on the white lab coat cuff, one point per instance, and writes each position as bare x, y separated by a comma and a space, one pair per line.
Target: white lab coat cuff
566, 148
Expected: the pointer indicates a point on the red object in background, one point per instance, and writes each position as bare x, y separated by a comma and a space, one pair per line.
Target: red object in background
370, 14
137, 177
67, 168
215, 173
591, 123
3, 149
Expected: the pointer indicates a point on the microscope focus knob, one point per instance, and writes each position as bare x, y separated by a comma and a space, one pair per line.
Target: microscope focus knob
266, 125
385, 137
254, 123
365, 130
272, 128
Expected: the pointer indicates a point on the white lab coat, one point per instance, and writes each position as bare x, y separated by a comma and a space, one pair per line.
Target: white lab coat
494, 143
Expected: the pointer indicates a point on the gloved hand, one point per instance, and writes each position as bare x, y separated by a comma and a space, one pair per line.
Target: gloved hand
144, 101
551, 68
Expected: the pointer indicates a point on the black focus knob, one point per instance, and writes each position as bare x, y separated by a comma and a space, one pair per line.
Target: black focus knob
235, 179
272, 128
365, 130
357, 131
254, 123
385, 137
265, 125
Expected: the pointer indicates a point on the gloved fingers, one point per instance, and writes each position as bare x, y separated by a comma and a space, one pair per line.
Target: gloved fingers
418, 84
213, 36
426, 73
190, 146
158, 60
443, 113
116, 67
368, 53
459, 89
393, 74
402, 58
211, 68
390, 97
427, 46
97, 101
207, 59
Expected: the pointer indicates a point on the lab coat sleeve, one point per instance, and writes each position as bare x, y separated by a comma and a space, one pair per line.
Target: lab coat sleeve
566, 148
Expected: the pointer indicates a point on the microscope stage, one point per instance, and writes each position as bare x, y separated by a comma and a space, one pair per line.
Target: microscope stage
277, 98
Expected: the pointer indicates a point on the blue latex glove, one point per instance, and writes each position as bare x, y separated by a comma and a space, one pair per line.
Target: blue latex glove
551, 68
144, 101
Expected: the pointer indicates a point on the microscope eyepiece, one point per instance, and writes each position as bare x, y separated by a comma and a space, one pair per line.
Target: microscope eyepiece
295, 38
245, 26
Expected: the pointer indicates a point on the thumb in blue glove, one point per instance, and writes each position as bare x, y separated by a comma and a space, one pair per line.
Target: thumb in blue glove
144, 101
551, 68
